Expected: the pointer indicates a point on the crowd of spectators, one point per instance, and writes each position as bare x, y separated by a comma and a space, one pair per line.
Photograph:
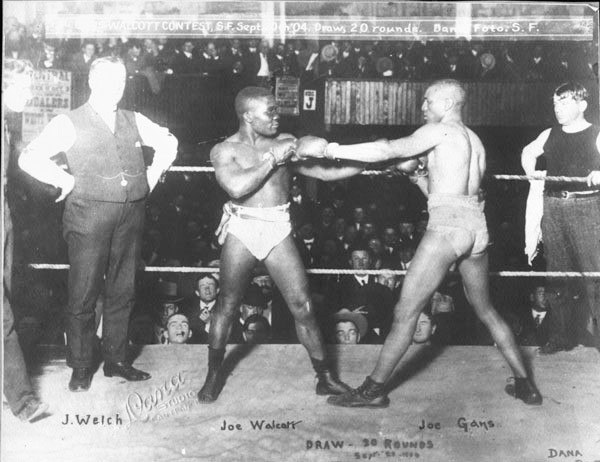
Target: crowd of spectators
361, 224
243, 61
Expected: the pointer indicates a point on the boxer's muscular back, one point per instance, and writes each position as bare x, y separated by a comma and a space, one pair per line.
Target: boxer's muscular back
457, 164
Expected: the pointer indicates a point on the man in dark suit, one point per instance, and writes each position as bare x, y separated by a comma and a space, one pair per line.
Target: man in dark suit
359, 291
199, 307
80, 67
537, 320
103, 220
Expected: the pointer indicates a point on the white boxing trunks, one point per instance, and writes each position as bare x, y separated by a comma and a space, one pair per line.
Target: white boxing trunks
260, 229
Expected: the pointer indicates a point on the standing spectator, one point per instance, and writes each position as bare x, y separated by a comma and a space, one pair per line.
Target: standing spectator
571, 217
49, 60
80, 67
104, 212
210, 62
185, 62
18, 390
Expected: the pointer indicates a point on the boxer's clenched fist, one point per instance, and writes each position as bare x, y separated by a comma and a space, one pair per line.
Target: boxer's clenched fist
311, 146
283, 149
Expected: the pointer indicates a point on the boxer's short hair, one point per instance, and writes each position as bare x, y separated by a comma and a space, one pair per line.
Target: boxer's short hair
248, 94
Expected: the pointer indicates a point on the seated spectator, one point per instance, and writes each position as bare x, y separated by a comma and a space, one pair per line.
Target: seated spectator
200, 307
376, 246
253, 303
405, 256
442, 308
426, 326
308, 244
538, 322
169, 305
349, 327
360, 290
256, 330
178, 330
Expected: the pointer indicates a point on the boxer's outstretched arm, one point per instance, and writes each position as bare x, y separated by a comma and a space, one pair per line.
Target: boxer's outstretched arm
425, 138
329, 172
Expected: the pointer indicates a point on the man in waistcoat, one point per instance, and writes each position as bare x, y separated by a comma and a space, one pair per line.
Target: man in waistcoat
104, 195
571, 218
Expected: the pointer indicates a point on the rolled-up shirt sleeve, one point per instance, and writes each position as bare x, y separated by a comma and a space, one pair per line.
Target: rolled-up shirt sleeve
57, 136
164, 145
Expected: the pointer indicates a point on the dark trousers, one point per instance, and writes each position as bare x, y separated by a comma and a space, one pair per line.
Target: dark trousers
571, 236
104, 244
17, 386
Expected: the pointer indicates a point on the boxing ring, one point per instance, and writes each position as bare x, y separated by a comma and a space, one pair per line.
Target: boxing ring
268, 410
447, 403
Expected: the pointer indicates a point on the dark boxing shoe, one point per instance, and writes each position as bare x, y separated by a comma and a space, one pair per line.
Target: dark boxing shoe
370, 395
329, 384
126, 371
524, 389
211, 388
81, 379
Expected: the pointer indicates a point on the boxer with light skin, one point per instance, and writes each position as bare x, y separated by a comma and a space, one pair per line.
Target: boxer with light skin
254, 166
456, 233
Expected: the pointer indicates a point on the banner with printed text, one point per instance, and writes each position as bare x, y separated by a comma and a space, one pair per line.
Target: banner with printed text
51, 95
413, 28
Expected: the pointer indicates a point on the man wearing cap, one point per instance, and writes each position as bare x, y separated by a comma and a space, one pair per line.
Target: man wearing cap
253, 166
105, 194
349, 327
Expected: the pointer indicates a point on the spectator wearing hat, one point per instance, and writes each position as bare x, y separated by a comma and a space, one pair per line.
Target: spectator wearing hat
253, 303
170, 304
198, 308
178, 330
359, 290
349, 327
256, 330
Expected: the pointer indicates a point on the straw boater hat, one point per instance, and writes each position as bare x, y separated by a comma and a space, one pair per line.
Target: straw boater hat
329, 52
488, 61
357, 319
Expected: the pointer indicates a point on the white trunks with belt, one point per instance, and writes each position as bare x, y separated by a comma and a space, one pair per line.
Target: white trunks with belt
260, 229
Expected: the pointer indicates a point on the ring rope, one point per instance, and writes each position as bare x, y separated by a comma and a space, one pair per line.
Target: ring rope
198, 269
562, 179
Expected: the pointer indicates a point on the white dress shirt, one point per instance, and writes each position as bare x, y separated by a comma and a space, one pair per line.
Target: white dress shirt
59, 136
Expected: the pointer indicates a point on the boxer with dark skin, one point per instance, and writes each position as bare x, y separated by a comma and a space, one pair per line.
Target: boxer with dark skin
254, 167
456, 233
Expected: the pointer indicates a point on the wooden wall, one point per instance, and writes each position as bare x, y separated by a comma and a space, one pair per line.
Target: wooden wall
392, 102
